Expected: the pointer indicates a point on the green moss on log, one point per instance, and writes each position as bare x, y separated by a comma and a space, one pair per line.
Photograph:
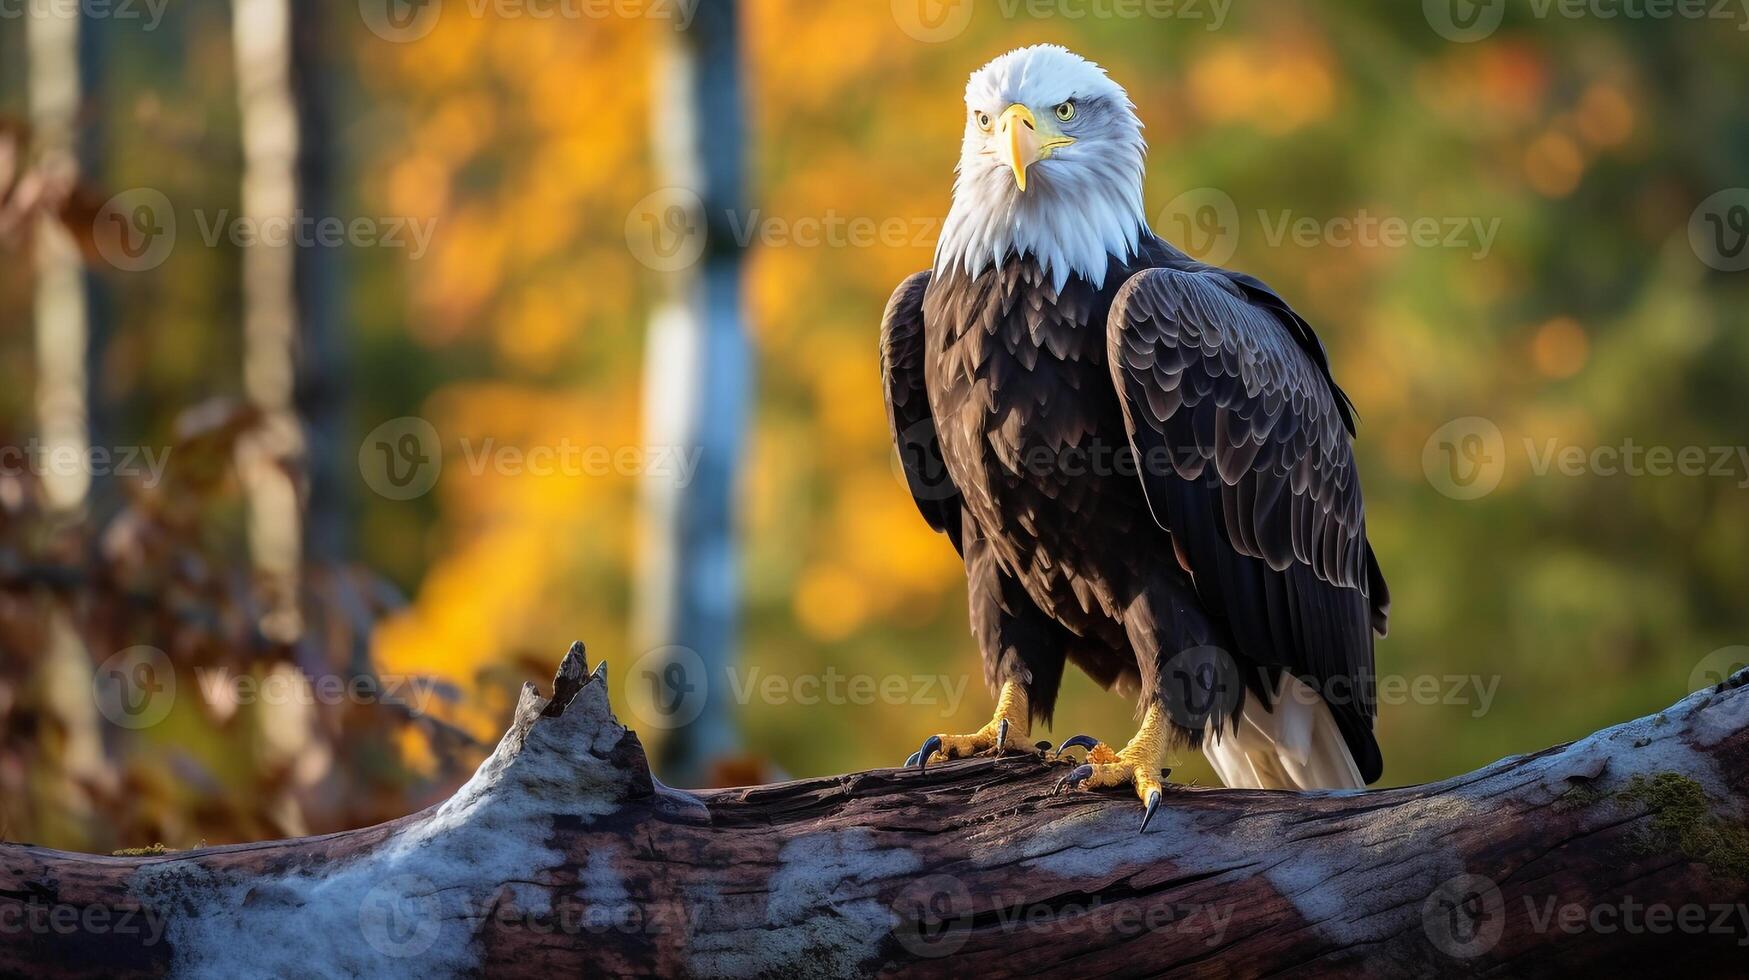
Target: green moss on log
1579, 796
1683, 821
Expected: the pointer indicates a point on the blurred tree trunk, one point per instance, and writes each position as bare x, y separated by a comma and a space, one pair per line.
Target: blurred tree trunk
102, 416
271, 459
63, 71
697, 383
322, 362
63, 296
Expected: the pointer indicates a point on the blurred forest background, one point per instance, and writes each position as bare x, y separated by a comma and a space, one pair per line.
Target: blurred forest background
1570, 298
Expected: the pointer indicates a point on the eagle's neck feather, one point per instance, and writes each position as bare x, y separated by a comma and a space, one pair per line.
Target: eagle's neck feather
1072, 221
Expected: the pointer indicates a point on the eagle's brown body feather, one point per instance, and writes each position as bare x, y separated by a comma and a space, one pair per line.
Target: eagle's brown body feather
1012, 424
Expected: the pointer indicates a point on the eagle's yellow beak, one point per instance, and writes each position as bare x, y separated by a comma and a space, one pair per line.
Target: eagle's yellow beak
1023, 141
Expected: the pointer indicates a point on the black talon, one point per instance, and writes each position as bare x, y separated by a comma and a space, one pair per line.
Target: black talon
1075, 778
1084, 741
911, 761
930, 745
1002, 737
1042, 746
1153, 805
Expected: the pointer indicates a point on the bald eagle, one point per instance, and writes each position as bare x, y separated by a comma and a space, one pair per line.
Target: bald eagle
1143, 460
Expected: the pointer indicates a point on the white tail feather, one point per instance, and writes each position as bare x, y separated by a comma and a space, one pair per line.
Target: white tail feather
1294, 746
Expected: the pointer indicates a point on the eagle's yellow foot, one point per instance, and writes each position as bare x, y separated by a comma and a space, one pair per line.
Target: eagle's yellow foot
1007, 732
1097, 751
1136, 764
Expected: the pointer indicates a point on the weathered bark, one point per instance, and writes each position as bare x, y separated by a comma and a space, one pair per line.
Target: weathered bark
563, 856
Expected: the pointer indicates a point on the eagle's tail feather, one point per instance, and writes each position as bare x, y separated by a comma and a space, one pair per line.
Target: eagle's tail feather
1294, 745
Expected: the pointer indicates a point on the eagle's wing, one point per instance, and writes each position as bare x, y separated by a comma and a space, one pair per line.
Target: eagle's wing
1242, 442
902, 353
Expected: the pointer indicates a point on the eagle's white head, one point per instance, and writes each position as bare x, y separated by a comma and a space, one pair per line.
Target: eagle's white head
1051, 166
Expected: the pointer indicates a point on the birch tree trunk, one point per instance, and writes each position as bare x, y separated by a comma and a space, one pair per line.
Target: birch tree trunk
53, 33
697, 388
62, 69
283, 272
271, 459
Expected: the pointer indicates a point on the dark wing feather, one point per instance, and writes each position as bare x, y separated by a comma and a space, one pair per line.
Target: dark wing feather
1244, 447
913, 427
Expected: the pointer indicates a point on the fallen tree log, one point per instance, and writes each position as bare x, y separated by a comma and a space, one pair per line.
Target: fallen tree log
562, 855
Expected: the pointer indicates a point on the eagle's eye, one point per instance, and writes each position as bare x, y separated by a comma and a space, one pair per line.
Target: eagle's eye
1066, 111
983, 121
